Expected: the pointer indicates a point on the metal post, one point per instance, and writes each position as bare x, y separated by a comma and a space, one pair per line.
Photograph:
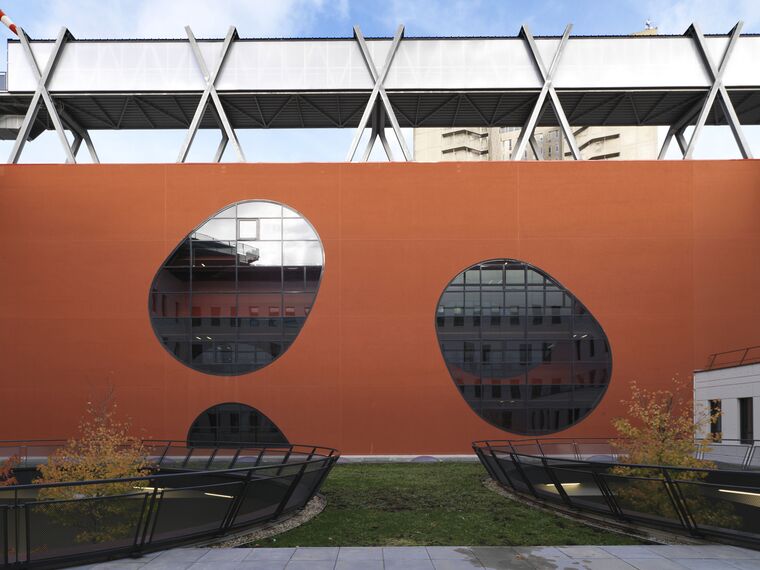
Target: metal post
751, 455
211, 458
285, 460
378, 127
80, 135
608, 495
717, 89
290, 491
522, 474
143, 520
678, 506
547, 90
556, 482
235, 458
228, 133
327, 465
234, 509
28, 530
501, 468
166, 450
43, 78
5, 535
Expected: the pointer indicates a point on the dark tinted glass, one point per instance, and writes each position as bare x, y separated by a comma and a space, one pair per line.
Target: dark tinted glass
233, 423
525, 354
235, 293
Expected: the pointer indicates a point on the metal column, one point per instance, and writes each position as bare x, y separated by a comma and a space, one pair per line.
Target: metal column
717, 90
43, 78
228, 134
378, 110
547, 90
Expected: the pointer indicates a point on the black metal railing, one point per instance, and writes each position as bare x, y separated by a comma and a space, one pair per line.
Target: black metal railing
587, 475
193, 494
730, 358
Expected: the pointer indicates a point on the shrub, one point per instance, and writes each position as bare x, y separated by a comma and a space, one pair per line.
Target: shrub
104, 449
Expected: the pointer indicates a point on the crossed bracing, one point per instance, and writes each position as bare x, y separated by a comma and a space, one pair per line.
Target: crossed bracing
373, 115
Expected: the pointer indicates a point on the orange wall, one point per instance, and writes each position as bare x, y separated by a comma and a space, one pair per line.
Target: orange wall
664, 254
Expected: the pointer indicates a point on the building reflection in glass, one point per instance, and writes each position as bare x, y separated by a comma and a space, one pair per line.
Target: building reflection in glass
525, 354
232, 297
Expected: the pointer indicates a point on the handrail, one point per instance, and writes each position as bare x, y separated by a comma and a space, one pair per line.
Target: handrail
159, 477
715, 503
38, 532
739, 362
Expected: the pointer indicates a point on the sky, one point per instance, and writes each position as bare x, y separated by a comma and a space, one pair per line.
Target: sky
335, 18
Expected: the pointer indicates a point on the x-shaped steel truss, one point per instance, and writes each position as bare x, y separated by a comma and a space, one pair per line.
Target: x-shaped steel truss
59, 119
547, 90
378, 109
228, 133
717, 88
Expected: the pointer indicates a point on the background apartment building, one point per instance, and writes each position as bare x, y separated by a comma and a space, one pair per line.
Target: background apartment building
496, 143
595, 143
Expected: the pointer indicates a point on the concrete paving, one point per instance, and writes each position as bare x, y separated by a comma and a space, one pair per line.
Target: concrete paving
708, 557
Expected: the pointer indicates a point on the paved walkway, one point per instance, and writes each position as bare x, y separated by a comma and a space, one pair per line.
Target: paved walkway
712, 557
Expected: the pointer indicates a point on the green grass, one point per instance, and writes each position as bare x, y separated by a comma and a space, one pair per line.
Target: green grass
429, 504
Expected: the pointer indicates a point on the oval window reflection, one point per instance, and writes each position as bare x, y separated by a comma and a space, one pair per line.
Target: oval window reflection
234, 294
523, 351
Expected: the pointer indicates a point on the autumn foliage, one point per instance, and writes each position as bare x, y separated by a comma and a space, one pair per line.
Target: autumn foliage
104, 449
660, 428
6, 471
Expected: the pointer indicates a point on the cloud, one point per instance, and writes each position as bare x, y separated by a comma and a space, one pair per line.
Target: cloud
166, 18
713, 16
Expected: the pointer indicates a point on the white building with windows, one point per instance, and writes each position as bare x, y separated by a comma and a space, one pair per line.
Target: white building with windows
734, 390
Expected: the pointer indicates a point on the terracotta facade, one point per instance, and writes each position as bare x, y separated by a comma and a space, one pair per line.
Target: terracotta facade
664, 254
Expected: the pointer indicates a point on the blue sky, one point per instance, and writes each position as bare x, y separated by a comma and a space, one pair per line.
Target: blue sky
334, 18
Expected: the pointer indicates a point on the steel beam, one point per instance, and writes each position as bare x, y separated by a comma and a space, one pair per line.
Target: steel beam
80, 135
547, 91
377, 110
701, 110
41, 92
717, 90
228, 133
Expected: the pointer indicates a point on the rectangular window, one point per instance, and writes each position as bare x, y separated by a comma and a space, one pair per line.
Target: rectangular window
746, 431
234, 422
716, 422
248, 229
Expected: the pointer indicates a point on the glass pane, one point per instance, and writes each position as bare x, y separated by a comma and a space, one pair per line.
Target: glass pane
216, 229
270, 229
258, 209
248, 229
180, 257
298, 229
301, 253
260, 252
213, 253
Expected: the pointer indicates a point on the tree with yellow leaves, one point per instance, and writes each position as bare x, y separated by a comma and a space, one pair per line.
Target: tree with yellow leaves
6, 471
104, 449
660, 429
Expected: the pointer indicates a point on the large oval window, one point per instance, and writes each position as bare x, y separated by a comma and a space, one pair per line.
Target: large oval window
523, 351
234, 294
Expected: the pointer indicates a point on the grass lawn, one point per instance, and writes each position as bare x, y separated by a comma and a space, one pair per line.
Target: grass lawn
429, 504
